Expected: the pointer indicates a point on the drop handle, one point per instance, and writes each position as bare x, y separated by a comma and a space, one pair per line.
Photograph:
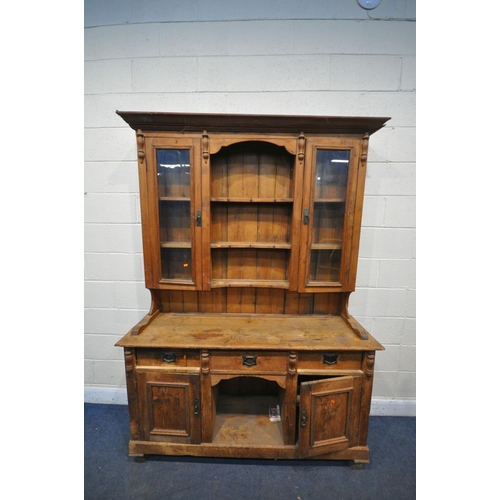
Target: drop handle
169, 357
196, 407
249, 360
330, 359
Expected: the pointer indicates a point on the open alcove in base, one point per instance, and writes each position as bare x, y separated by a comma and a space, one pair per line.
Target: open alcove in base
242, 412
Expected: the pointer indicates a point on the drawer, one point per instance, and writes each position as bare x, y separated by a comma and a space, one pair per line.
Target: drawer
248, 361
330, 361
168, 358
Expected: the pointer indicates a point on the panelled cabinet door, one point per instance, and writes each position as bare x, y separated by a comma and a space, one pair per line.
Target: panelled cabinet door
328, 415
330, 184
173, 213
171, 407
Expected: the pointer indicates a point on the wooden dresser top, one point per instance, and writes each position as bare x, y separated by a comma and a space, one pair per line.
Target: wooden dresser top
240, 331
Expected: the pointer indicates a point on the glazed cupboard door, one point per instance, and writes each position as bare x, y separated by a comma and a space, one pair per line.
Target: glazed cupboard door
172, 213
170, 407
328, 415
330, 185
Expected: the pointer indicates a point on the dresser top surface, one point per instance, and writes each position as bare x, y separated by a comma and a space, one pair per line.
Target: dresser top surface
240, 331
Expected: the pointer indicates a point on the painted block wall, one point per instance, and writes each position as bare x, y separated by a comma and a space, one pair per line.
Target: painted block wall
269, 56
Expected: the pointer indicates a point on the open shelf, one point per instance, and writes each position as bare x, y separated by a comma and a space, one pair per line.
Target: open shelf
223, 199
250, 264
250, 244
244, 420
246, 283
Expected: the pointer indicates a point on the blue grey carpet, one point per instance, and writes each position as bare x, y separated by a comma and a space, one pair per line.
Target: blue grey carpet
111, 474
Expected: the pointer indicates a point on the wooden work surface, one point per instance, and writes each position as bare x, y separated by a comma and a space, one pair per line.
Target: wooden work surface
239, 331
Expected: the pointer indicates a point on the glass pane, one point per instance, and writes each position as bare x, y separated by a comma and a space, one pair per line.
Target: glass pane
173, 175
332, 167
173, 170
176, 263
331, 174
328, 224
175, 222
325, 265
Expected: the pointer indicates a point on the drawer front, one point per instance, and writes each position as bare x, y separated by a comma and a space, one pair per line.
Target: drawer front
248, 361
330, 361
168, 358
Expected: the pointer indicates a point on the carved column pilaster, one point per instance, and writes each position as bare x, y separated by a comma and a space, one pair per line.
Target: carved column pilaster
141, 153
301, 146
370, 365
364, 148
204, 146
132, 395
366, 397
292, 363
205, 363
129, 361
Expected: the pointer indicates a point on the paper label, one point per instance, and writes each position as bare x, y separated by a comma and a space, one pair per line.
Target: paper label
274, 413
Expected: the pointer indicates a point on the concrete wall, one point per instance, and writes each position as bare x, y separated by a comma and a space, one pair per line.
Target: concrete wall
268, 56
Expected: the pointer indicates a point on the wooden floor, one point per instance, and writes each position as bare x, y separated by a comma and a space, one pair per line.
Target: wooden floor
245, 421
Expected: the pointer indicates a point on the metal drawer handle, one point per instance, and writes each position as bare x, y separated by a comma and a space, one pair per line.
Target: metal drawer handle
330, 359
303, 420
249, 360
170, 357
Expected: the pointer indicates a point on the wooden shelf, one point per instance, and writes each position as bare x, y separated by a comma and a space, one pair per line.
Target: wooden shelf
245, 421
251, 200
326, 246
176, 244
329, 200
246, 283
251, 244
174, 198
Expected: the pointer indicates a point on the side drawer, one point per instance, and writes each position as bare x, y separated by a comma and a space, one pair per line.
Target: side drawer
168, 358
248, 361
330, 361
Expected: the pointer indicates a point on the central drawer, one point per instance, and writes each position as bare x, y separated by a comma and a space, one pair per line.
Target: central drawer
248, 361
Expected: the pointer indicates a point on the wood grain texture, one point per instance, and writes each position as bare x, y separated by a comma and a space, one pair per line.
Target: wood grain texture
251, 229
248, 331
192, 122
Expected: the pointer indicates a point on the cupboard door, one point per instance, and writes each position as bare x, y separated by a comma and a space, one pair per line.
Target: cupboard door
328, 415
174, 212
171, 407
328, 214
